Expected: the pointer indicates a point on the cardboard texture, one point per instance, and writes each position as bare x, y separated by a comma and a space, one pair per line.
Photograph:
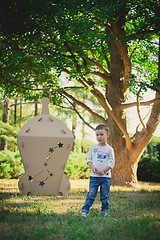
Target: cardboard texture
44, 143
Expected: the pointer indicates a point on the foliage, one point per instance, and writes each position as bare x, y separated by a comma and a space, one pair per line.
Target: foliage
149, 170
87, 144
77, 166
153, 149
9, 133
10, 165
96, 43
53, 38
52, 34
8, 129
144, 60
134, 214
149, 164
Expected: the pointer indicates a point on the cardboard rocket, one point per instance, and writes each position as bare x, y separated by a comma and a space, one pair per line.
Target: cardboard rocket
44, 143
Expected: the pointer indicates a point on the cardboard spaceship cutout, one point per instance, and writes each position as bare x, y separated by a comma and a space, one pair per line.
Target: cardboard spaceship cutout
44, 143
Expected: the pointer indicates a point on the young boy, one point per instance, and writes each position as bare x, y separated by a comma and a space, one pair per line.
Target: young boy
101, 161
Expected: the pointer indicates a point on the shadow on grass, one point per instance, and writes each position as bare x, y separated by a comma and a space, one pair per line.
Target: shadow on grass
40, 225
133, 215
8, 195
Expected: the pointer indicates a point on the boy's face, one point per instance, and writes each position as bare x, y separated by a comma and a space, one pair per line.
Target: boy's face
101, 136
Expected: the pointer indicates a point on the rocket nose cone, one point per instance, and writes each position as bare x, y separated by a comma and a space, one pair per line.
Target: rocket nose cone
45, 102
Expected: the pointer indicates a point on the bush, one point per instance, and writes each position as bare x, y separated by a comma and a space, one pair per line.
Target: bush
149, 164
77, 167
10, 165
149, 170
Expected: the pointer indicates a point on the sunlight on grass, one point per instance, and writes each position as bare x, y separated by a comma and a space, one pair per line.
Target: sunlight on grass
134, 214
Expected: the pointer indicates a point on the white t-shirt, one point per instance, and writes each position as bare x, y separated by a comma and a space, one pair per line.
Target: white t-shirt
101, 157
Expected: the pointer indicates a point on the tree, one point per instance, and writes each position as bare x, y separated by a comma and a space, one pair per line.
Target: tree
98, 43
5, 119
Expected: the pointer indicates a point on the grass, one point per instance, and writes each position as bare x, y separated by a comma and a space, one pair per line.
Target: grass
134, 214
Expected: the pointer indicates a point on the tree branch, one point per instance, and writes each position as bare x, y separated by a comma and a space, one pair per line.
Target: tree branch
124, 53
101, 75
105, 57
106, 25
94, 114
134, 104
97, 64
80, 116
139, 33
143, 120
138, 110
72, 87
104, 103
134, 50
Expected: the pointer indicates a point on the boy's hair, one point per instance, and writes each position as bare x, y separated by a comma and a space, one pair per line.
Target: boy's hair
102, 126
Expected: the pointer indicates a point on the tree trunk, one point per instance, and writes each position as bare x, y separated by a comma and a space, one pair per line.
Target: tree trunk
83, 137
74, 126
21, 112
5, 119
83, 128
127, 158
15, 112
36, 109
124, 172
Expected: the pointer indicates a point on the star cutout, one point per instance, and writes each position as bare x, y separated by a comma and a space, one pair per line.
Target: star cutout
51, 150
30, 178
51, 174
60, 145
41, 183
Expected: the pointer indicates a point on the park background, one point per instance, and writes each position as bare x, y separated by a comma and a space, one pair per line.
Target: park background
20, 112
106, 49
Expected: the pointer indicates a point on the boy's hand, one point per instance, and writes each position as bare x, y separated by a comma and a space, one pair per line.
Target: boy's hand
94, 169
100, 172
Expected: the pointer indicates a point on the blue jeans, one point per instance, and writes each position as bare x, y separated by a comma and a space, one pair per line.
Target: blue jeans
95, 182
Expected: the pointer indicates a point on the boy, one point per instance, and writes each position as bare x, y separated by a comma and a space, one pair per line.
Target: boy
101, 161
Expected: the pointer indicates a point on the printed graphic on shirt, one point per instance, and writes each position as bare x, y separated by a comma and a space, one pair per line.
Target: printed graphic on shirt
95, 150
101, 156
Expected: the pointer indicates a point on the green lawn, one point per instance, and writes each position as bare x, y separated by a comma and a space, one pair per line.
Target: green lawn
134, 214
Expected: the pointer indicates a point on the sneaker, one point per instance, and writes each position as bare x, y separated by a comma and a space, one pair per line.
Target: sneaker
84, 214
105, 214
